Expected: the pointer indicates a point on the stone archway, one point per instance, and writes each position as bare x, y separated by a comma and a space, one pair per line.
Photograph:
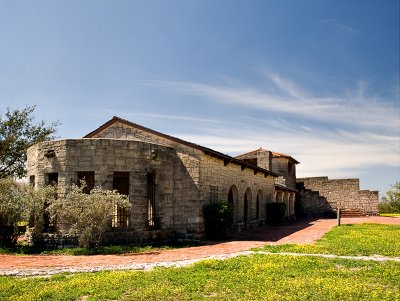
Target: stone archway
247, 206
259, 204
233, 198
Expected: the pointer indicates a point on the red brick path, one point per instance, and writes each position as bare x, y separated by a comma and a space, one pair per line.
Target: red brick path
302, 232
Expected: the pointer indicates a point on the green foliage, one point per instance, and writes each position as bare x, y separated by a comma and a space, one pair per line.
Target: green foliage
14, 207
359, 239
257, 277
19, 203
275, 213
218, 217
17, 133
391, 203
87, 215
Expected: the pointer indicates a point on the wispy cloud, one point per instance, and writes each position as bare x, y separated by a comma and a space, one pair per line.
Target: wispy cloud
336, 24
161, 116
357, 131
353, 108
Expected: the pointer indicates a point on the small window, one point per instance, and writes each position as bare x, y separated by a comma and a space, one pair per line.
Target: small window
32, 181
213, 194
121, 184
48, 223
51, 178
88, 177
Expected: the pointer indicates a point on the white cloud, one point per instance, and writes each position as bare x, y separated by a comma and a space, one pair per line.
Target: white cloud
354, 108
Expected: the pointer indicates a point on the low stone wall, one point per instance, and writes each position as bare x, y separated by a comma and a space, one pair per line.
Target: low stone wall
319, 195
51, 240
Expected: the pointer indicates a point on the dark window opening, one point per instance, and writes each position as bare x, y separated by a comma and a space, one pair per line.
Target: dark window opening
151, 200
121, 185
245, 205
32, 181
230, 196
52, 178
88, 177
258, 207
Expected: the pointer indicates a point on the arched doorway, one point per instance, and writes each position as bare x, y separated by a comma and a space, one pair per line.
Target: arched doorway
233, 199
258, 202
247, 206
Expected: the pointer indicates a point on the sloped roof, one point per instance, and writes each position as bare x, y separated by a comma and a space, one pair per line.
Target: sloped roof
274, 155
279, 155
208, 151
284, 187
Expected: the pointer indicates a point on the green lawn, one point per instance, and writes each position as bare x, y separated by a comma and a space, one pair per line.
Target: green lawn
358, 239
258, 277
389, 214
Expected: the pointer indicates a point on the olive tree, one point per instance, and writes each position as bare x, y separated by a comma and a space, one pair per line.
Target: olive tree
85, 215
19, 203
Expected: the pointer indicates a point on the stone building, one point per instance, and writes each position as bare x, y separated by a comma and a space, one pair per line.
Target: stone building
285, 167
168, 180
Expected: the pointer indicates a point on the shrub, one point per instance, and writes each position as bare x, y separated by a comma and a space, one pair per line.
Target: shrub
87, 216
13, 209
20, 202
218, 217
275, 213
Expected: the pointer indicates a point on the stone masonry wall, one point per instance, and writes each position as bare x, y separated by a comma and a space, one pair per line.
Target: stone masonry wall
215, 175
120, 130
320, 193
205, 171
104, 156
280, 165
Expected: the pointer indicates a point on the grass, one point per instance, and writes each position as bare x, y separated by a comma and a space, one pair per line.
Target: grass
359, 239
103, 250
389, 214
258, 277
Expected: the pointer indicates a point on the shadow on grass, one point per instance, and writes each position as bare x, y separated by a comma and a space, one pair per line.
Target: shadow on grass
102, 250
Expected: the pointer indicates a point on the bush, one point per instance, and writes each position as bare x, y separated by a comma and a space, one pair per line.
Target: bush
20, 202
87, 216
218, 217
14, 207
275, 213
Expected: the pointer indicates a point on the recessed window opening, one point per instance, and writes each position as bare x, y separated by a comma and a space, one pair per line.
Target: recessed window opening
121, 185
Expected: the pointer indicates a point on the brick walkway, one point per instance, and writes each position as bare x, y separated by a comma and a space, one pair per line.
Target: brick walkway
302, 232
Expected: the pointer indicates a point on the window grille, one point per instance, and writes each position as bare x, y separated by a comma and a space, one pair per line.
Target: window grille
213, 194
88, 177
151, 200
121, 185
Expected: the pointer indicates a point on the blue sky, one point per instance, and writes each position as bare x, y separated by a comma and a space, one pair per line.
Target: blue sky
318, 80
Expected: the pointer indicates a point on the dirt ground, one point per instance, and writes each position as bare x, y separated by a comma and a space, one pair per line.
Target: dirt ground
300, 232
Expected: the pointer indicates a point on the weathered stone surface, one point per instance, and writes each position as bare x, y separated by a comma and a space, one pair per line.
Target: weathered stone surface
320, 194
